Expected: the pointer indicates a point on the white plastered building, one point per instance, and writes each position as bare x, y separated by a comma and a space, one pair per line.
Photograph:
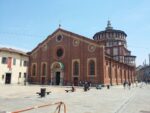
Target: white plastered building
13, 66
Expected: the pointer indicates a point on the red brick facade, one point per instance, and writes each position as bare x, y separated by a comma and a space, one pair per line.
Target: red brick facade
66, 58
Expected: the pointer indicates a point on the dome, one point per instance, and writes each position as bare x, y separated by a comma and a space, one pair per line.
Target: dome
110, 33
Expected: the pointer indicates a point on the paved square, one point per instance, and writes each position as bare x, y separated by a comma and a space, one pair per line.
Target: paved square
113, 100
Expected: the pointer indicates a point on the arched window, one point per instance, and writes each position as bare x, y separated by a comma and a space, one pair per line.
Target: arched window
44, 70
34, 70
91, 67
76, 68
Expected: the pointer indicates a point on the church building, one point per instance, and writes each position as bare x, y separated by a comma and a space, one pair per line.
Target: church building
67, 58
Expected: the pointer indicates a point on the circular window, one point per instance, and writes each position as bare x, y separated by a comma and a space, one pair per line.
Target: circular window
59, 38
91, 48
76, 42
59, 52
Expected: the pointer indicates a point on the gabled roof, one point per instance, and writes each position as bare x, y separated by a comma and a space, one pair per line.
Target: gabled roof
13, 51
81, 38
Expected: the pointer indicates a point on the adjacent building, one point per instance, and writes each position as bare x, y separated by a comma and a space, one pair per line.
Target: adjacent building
66, 58
13, 66
143, 73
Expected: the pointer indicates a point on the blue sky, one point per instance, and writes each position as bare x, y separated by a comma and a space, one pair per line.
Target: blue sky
25, 23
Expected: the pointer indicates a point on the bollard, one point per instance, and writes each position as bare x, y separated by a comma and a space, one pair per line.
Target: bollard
43, 91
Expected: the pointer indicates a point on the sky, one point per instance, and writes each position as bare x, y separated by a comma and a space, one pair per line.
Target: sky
26, 23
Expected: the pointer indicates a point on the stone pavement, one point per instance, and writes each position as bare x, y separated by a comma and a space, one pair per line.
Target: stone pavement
113, 100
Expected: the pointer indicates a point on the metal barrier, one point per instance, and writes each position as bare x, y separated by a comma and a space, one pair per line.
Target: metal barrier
59, 104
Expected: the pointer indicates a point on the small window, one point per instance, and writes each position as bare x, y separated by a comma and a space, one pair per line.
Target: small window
76, 68
4, 60
34, 70
14, 61
25, 63
3, 77
44, 69
92, 67
19, 74
25, 75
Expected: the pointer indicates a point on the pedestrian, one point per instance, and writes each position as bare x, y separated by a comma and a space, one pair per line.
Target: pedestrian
86, 86
80, 83
129, 85
124, 84
73, 89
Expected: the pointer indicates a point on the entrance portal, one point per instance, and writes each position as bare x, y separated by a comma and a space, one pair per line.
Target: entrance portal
57, 73
57, 78
8, 78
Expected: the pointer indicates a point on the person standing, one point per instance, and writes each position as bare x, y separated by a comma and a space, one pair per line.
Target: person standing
124, 84
129, 85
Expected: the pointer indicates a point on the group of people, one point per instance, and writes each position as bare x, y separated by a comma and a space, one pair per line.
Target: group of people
127, 84
82, 83
86, 86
